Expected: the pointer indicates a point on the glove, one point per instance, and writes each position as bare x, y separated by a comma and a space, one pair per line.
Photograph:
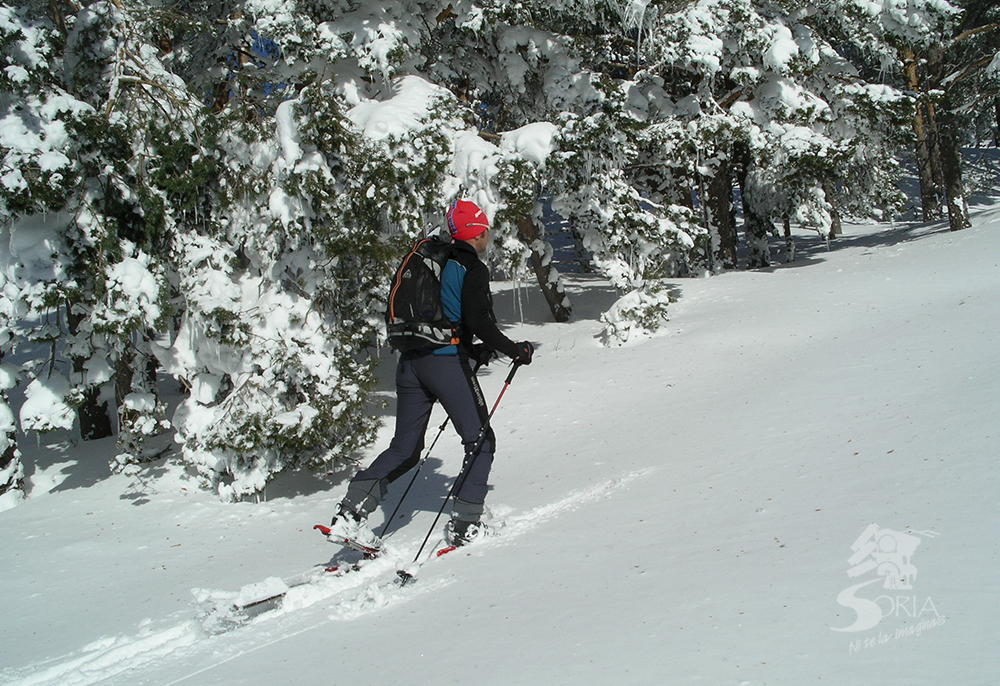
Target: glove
524, 352
482, 354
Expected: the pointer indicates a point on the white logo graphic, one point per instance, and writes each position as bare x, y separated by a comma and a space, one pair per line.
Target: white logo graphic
889, 554
887, 551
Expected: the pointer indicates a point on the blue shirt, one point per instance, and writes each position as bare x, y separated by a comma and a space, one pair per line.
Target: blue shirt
452, 278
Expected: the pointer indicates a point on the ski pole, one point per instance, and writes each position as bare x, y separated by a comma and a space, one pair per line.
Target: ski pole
466, 466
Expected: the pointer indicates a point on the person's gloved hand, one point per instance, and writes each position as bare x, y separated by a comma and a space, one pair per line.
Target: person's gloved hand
524, 352
482, 354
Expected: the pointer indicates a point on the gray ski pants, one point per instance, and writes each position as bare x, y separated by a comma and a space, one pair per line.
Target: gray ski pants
421, 379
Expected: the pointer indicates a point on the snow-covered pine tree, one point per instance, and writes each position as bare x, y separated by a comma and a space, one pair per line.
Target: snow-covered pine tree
11, 469
37, 180
964, 87
634, 240
21, 52
512, 76
144, 159
252, 239
973, 67
108, 157
282, 291
892, 40
550, 61
734, 70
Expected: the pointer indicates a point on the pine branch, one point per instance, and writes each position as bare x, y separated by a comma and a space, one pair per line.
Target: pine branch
972, 32
952, 79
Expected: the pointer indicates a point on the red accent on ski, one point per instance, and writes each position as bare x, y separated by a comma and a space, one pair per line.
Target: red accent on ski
444, 551
369, 553
332, 569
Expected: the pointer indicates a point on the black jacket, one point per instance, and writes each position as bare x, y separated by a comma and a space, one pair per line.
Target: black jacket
477, 304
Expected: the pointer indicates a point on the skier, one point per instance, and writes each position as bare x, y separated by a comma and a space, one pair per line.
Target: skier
443, 374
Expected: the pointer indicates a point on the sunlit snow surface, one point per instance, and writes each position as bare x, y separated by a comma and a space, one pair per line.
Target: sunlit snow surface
676, 511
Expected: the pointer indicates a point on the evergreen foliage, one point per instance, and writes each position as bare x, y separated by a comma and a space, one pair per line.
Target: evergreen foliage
218, 192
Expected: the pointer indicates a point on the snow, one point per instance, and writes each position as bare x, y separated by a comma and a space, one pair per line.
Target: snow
411, 99
44, 408
533, 142
706, 51
31, 243
133, 282
678, 511
781, 51
287, 132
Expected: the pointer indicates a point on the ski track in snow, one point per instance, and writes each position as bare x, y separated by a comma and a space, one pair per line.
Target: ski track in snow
349, 596
520, 524
109, 657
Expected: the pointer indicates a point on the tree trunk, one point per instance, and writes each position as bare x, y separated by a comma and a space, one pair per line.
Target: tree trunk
755, 227
10, 456
720, 205
123, 385
95, 419
56, 14
996, 132
789, 243
930, 199
934, 143
548, 277
836, 227
10, 464
929, 204
581, 255
949, 153
951, 161
134, 373
683, 191
710, 228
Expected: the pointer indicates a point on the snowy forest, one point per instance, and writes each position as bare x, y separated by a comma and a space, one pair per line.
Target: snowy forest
215, 194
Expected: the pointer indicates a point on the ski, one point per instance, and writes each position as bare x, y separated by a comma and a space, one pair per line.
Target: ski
264, 596
221, 611
224, 611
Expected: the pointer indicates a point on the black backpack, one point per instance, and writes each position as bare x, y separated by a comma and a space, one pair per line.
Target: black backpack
414, 315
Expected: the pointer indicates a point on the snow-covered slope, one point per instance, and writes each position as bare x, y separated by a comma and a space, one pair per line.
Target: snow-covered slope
678, 511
